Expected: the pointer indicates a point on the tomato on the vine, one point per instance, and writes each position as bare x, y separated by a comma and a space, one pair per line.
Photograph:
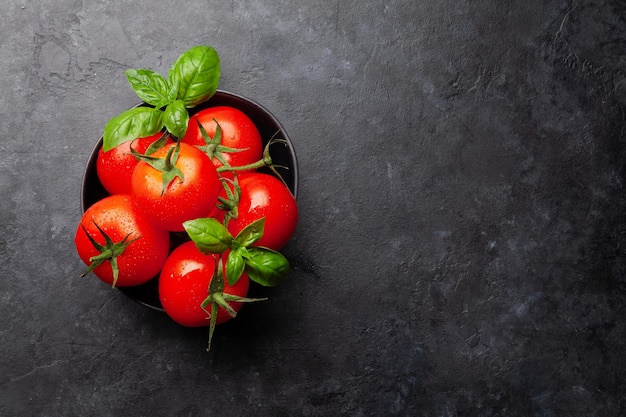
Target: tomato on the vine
238, 132
114, 236
115, 167
176, 183
263, 195
184, 287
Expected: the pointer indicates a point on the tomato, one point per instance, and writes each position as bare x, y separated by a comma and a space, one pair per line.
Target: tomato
192, 197
238, 132
115, 167
119, 219
263, 195
184, 285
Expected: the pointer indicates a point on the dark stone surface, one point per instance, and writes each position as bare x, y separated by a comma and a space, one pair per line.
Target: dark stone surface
461, 247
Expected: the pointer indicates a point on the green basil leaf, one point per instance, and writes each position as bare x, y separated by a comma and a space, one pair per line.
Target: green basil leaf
151, 87
209, 235
134, 123
265, 266
176, 118
195, 75
251, 233
235, 265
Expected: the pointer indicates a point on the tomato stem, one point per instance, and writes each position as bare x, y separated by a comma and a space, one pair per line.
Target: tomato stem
217, 299
265, 161
108, 252
255, 165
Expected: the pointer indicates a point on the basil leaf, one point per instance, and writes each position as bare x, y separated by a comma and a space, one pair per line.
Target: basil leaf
251, 233
265, 266
176, 118
235, 265
195, 74
134, 123
209, 235
151, 87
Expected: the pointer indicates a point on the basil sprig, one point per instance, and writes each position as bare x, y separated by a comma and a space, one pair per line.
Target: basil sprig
264, 266
192, 79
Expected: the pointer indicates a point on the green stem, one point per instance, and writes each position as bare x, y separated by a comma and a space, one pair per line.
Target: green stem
266, 161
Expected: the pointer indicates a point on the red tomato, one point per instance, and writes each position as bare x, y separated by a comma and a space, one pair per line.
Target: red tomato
263, 195
238, 132
118, 217
191, 198
115, 167
184, 285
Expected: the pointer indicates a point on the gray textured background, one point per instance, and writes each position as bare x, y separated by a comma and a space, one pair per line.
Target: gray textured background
461, 245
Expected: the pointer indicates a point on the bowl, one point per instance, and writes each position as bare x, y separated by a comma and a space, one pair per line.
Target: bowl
283, 155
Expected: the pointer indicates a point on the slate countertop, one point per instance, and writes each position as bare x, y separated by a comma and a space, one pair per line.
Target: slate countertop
462, 234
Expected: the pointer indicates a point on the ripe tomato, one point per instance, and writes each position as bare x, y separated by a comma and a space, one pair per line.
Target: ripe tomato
117, 216
263, 195
192, 197
115, 167
184, 285
238, 132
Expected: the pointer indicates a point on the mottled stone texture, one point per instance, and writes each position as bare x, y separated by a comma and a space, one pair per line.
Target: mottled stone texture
461, 247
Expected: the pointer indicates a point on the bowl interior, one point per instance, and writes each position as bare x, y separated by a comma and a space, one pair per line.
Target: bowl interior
269, 127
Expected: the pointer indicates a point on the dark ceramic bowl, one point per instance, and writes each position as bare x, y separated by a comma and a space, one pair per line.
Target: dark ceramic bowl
269, 127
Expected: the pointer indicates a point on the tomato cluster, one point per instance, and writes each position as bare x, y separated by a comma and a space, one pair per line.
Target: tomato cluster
206, 184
